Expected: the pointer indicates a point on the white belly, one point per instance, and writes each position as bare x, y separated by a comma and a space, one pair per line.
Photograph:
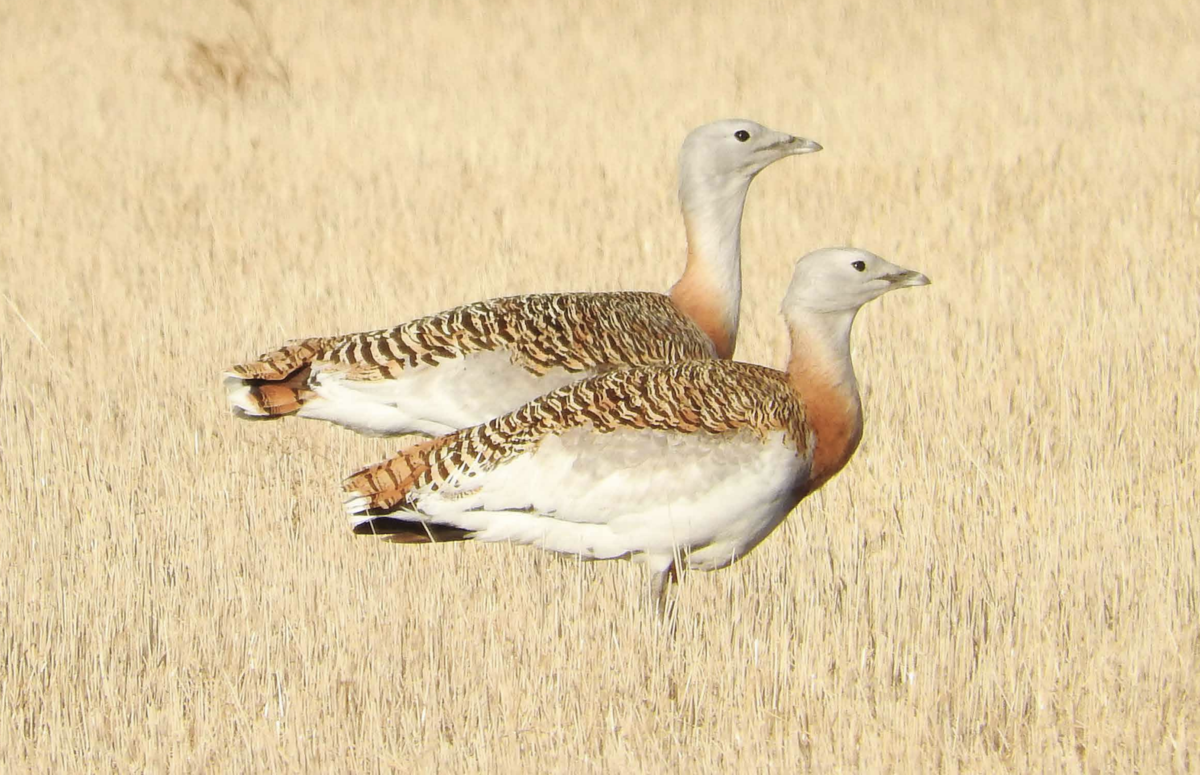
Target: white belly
433, 400
649, 495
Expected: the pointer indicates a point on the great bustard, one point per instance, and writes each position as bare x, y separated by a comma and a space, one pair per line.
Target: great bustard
692, 463
467, 365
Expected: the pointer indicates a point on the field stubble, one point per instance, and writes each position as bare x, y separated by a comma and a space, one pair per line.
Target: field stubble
1004, 577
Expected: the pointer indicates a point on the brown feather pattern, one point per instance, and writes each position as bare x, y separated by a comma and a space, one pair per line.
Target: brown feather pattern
573, 331
699, 396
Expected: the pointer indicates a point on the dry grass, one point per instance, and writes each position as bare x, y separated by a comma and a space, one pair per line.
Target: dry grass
1005, 577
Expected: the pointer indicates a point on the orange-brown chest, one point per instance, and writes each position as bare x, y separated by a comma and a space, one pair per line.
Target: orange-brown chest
697, 296
836, 420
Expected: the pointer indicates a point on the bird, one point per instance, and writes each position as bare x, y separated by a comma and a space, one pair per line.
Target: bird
685, 465
466, 365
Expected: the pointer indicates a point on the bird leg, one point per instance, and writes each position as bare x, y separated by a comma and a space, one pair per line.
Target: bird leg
659, 588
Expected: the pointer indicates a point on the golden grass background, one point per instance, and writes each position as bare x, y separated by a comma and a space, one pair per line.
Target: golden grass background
1005, 577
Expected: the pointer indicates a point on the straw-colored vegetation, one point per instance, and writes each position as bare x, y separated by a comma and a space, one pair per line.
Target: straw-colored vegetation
1005, 577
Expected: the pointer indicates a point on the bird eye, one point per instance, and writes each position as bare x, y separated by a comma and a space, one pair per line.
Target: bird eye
742, 135
860, 266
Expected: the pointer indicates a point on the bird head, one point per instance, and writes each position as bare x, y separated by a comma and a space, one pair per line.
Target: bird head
842, 280
733, 151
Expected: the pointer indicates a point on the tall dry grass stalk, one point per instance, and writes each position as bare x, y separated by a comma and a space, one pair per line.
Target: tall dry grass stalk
1005, 577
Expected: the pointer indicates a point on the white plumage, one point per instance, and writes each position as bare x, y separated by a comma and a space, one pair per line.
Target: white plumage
722, 496
429, 399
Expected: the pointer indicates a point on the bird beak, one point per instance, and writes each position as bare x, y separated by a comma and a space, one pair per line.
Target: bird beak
906, 278
799, 145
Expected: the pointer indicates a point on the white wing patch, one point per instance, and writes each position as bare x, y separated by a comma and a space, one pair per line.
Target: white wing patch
641, 493
434, 400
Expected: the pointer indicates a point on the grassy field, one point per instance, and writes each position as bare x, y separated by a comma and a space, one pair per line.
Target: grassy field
1004, 578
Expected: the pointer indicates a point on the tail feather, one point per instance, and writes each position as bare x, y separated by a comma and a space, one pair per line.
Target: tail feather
384, 488
406, 531
276, 384
280, 364
256, 399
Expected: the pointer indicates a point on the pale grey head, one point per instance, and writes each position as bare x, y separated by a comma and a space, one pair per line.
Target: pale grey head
840, 280
731, 152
